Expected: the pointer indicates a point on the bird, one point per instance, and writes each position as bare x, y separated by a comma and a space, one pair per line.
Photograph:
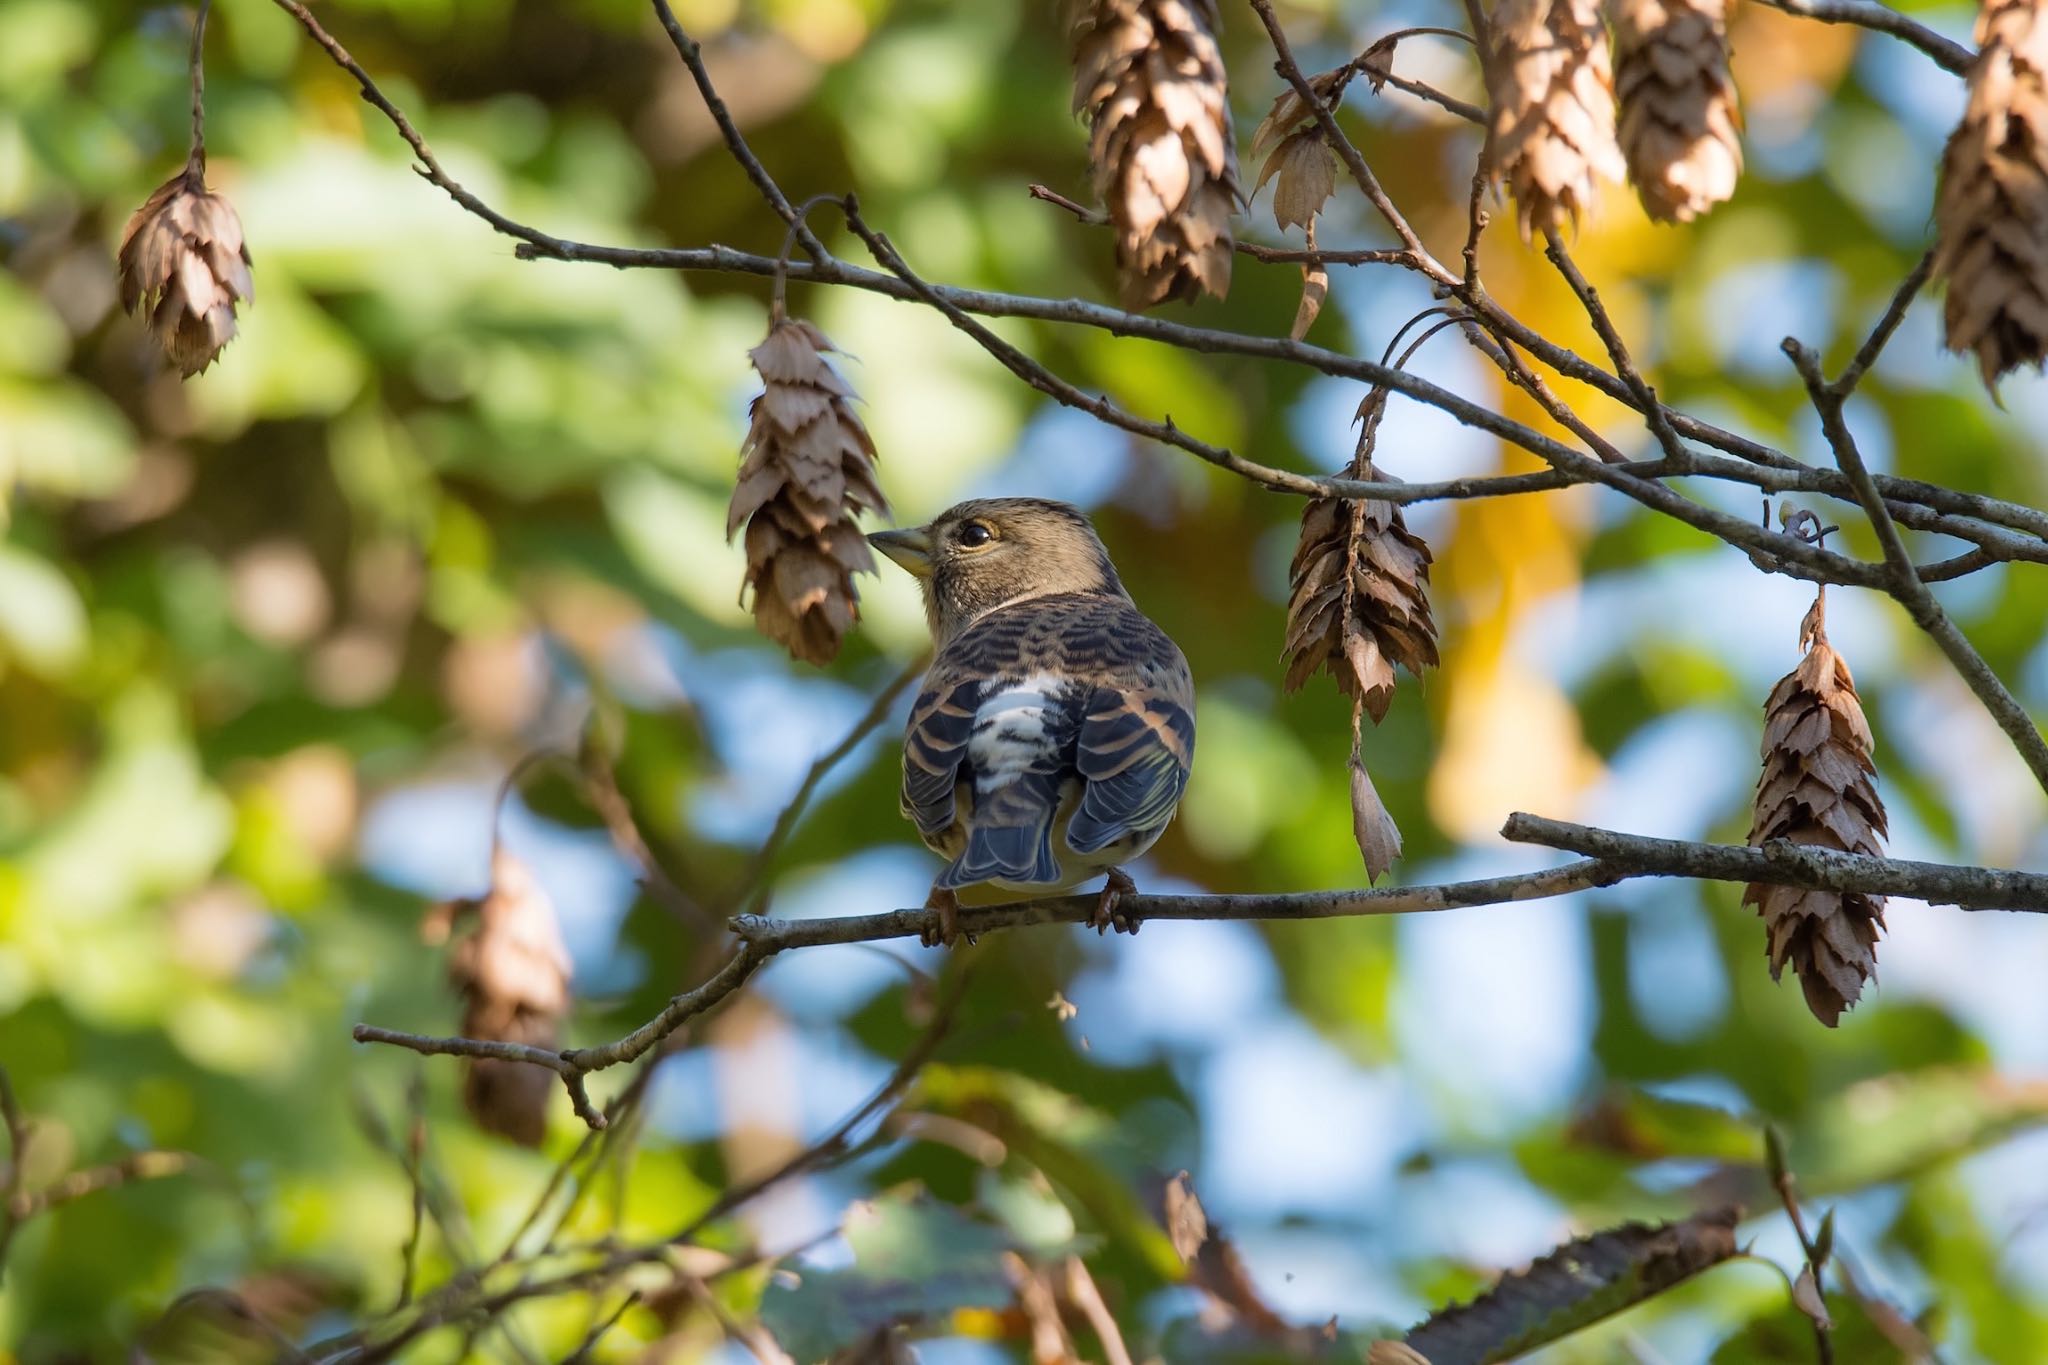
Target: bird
1053, 734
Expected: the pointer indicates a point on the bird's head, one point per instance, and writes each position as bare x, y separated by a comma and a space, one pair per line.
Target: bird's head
987, 553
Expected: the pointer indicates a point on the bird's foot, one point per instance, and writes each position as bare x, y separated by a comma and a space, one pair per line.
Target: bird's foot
1109, 912
947, 932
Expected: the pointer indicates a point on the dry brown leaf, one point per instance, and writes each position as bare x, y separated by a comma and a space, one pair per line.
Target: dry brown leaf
1315, 287
1818, 787
1215, 1267
1376, 63
183, 268
1679, 125
1991, 215
1806, 1297
1307, 172
1149, 78
1385, 1352
1553, 109
1290, 114
1379, 838
806, 472
512, 971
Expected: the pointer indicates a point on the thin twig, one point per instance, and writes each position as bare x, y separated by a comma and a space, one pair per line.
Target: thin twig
1887, 324
1780, 863
596, 1333
1613, 857
1347, 151
1949, 56
1904, 583
17, 1163
601, 789
195, 160
751, 877
836, 1142
1653, 411
1086, 1297
1815, 1255
414, 1153
692, 53
1780, 472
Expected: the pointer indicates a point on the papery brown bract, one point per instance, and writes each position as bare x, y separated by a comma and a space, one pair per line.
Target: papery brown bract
806, 471
512, 971
1818, 789
1991, 215
1358, 590
1552, 126
1679, 126
1149, 78
183, 267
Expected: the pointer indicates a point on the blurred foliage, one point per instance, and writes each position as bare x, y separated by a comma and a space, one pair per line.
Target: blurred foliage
270, 639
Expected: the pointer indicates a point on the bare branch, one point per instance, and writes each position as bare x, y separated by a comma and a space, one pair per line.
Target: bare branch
692, 53
1949, 56
785, 823
1346, 150
1904, 582
1784, 864
1617, 350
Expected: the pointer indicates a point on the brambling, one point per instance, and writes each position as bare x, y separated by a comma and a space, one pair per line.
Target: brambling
1053, 734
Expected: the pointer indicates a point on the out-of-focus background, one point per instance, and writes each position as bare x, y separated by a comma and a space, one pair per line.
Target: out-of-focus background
270, 639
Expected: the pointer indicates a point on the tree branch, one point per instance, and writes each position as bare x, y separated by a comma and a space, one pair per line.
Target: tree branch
1347, 151
1949, 56
1904, 581
1612, 857
1779, 863
1780, 473
692, 53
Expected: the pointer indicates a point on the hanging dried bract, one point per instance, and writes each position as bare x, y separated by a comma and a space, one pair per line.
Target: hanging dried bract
184, 267
1358, 605
1679, 124
806, 471
1818, 788
1290, 141
1358, 589
1991, 216
1552, 130
512, 972
1149, 78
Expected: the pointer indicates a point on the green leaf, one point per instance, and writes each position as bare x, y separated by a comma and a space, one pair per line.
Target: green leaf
42, 622
914, 1260
1575, 1286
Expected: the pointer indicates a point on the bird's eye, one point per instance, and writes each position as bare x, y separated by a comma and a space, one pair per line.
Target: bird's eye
975, 534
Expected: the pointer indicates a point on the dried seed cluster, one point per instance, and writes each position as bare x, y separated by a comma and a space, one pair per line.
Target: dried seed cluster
1679, 122
1358, 593
1818, 788
1991, 216
1149, 78
183, 268
806, 471
512, 972
1358, 606
1553, 109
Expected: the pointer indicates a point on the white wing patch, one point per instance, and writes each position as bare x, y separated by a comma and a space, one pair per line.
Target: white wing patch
1012, 731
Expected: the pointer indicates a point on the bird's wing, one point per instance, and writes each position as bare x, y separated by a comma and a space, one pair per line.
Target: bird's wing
941, 722
1031, 701
1137, 739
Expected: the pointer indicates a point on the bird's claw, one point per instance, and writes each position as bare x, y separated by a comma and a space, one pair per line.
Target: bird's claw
946, 933
1109, 912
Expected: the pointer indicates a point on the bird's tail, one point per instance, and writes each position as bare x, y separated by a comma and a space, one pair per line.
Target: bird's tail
1010, 836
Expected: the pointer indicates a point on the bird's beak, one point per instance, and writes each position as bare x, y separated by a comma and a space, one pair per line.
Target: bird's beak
910, 547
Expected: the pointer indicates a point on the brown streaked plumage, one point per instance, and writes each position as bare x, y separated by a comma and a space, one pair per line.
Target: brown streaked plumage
1053, 735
